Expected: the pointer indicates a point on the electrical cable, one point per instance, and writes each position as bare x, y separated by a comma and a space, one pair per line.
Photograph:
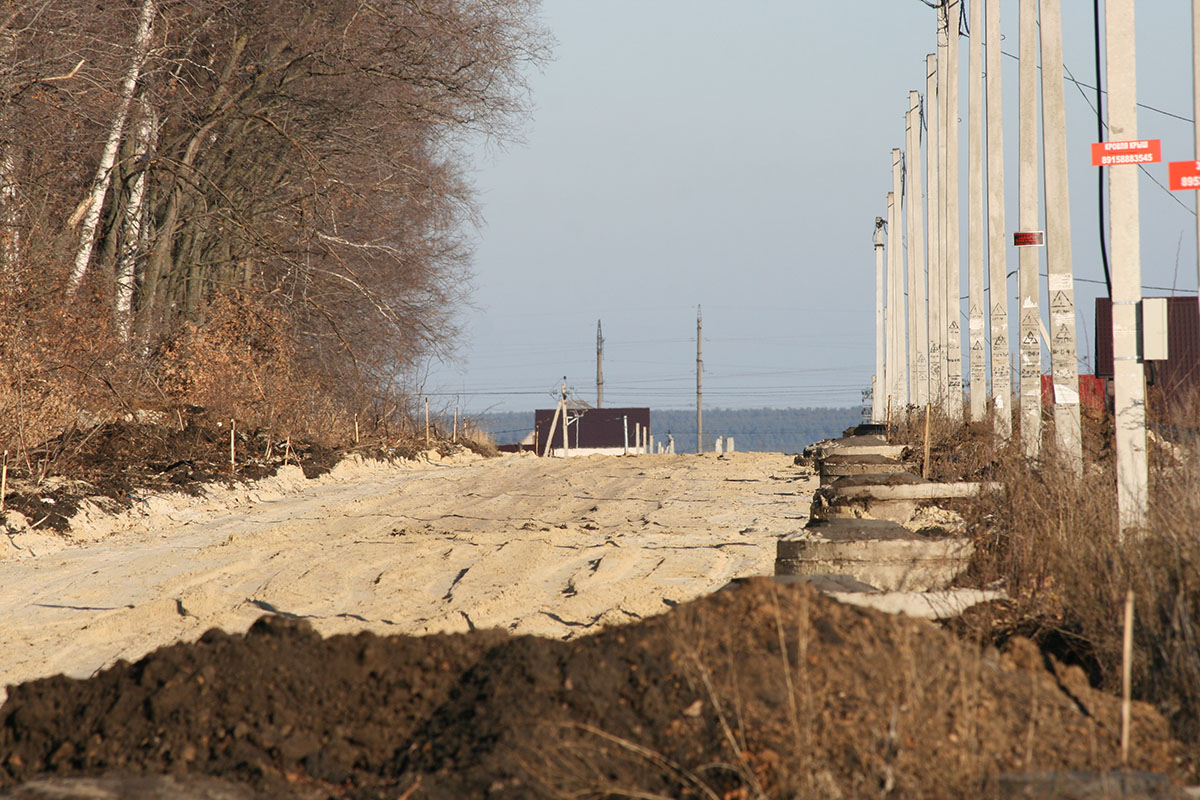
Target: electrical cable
1100, 137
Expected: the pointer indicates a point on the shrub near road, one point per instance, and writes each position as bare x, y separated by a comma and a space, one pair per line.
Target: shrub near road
1051, 541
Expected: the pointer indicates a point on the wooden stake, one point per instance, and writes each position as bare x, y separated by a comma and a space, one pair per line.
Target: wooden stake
3, 481
356, 428
455, 438
232, 452
427, 420
287, 450
1126, 676
925, 463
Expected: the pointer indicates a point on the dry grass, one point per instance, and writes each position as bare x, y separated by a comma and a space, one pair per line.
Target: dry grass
1051, 540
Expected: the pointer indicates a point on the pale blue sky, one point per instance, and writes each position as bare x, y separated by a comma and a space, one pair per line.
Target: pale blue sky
735, 156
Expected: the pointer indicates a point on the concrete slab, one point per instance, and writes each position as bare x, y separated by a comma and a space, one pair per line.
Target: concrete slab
924, 490
857, 445
876, 552
866, 429
939, 604
832, 467
942, 604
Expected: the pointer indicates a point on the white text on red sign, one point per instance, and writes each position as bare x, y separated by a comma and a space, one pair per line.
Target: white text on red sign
1138, 151
1184, 175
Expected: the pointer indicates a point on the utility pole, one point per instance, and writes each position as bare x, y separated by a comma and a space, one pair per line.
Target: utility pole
950, 224
1128, 372
937, 284
895, 317
1030, 315
896, 279
878, 389
997, 247
977, 361
699, 389
599, 366
1196, 112
1063, 365
918, 333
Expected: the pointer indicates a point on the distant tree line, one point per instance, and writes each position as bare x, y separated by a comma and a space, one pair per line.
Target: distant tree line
783, 430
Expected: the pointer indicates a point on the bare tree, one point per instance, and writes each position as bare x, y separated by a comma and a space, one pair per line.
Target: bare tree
307, 158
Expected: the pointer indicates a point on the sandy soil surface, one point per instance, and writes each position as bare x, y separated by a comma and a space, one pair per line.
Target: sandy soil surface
551, 547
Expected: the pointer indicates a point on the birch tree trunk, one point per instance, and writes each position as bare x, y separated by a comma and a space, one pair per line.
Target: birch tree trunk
133, 232
91, 206
10, 232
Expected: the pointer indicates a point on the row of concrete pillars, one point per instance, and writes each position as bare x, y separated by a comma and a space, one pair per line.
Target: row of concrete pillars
919, 311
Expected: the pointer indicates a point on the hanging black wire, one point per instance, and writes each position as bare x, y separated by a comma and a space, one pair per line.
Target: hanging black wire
1100, 138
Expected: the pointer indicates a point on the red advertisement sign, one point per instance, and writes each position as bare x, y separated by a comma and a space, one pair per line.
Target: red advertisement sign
1184, 175
1029, 238
1141, 151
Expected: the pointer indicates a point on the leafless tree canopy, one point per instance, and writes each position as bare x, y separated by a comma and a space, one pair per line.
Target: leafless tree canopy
298, 161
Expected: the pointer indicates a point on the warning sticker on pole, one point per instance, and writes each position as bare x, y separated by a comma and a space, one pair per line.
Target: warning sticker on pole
1141, 151
1029, 239
1184, 175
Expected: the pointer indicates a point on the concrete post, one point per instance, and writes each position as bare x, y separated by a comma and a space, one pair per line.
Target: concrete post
1128, 377
1028, 218
879, 385
896, 236
889, 360
699, 383
997, 247
918, 334
599, 366
954, 391
937, 296
895, 355
1067, 435
1196, 111
977, 360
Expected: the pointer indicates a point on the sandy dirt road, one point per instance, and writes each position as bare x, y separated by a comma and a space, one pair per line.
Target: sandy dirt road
551, 547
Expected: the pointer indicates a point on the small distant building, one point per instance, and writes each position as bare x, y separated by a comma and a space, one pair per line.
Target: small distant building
592, 431
1173, 379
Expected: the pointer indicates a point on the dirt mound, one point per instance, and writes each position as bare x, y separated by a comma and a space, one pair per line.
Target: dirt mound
760, 690
153, 451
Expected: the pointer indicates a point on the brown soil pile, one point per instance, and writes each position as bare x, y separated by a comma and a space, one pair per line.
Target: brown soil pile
761, 690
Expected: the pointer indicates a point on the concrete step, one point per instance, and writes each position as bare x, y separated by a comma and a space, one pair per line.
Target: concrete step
855, 445
866, 429
882, 554
832, 467
938, 604
888, 496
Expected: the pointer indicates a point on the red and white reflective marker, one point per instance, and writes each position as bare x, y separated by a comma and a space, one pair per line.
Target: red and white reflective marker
1184, 175
1139, 151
